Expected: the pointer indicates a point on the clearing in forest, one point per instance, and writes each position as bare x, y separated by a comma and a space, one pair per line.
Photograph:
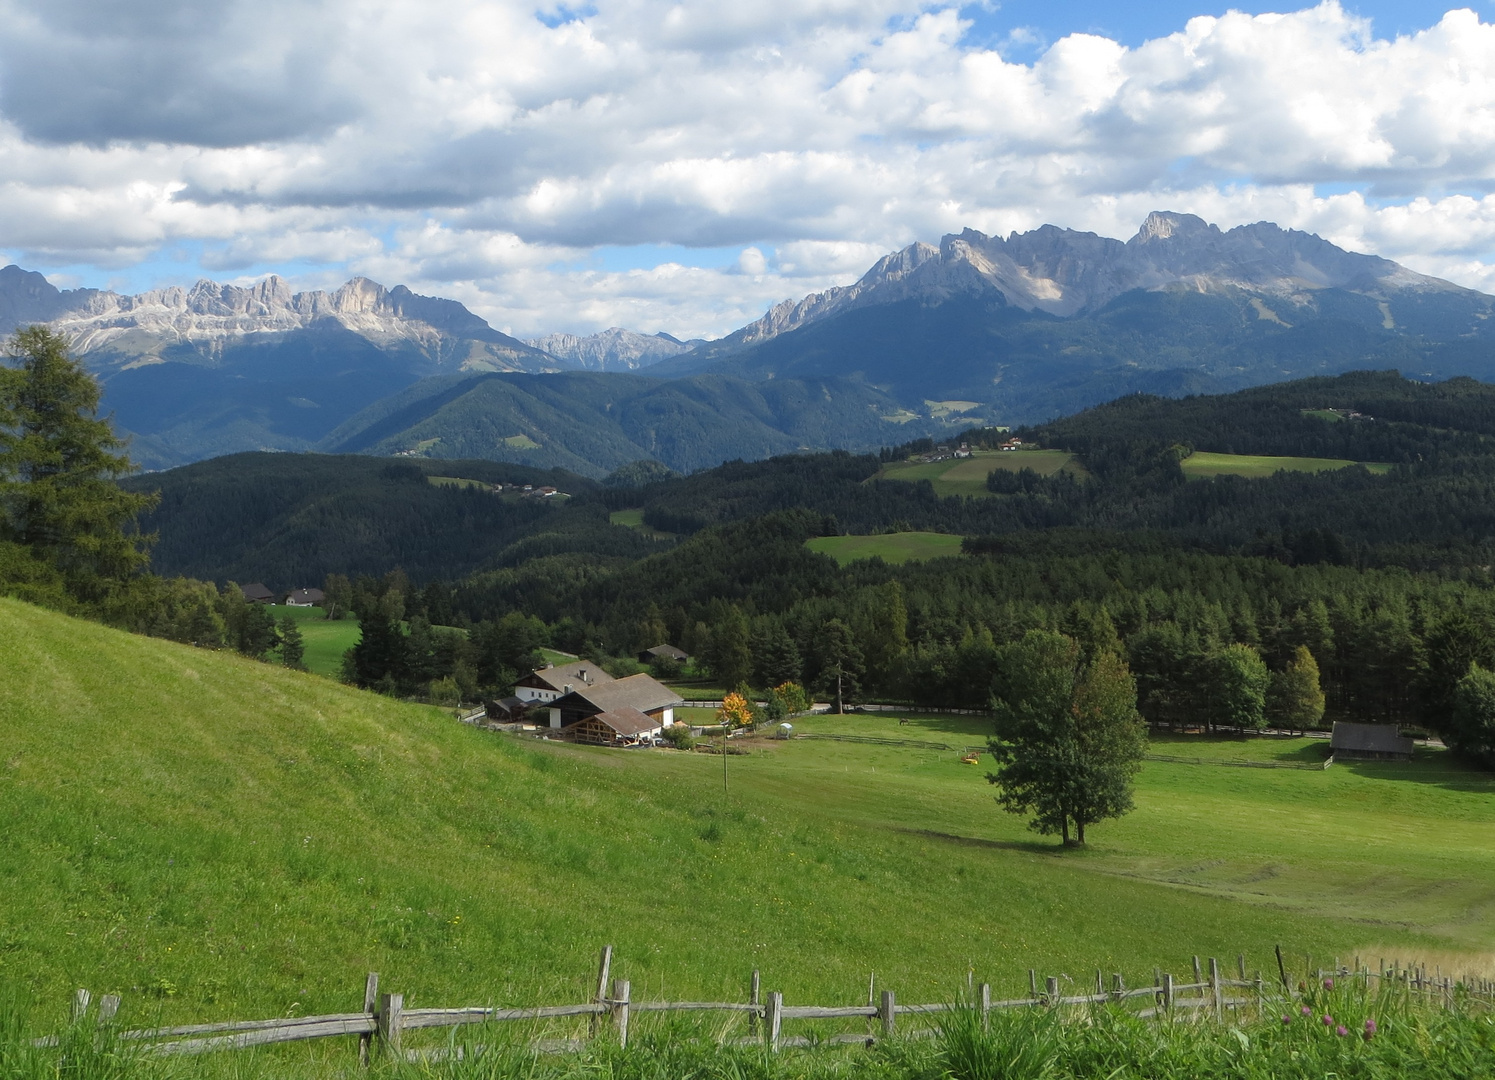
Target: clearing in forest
895, 548
967, 476
1201, 464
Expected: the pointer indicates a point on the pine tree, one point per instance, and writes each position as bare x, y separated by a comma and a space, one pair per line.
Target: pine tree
841, 664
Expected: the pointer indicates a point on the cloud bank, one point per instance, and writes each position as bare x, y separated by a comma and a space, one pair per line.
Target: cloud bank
506, 156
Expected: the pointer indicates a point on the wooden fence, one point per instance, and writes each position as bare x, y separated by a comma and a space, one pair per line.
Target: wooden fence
380, 1026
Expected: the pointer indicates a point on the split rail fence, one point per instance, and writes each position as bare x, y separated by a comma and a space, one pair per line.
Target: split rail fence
384, 1019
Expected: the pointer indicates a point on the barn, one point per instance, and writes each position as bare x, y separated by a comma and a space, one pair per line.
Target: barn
1369, 742
623, 726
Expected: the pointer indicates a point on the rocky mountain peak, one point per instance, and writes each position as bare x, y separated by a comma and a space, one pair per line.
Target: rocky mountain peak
1165, 225
613, 349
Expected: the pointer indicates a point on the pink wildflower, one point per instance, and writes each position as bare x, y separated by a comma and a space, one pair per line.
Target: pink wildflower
1341, 1031
1328, 1020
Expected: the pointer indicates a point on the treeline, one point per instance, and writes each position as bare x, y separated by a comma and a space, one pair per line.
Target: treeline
1211, 639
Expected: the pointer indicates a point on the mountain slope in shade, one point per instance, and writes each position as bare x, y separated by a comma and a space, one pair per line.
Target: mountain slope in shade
592, 422
1054, 320
614, 349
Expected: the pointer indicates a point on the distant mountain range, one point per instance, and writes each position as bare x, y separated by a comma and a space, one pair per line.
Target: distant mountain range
614, 349
978, 329
1051, 321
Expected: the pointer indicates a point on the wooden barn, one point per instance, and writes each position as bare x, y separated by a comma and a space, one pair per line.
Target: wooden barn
637, 692
1369, 742
623, 726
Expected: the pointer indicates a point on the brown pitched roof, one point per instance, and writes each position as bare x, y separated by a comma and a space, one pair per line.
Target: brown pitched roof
635, 692
627, 722
256, 592
668, 650
578, 674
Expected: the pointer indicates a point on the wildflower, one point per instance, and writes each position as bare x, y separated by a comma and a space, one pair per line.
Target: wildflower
1370, 1029
1341, 1031
1328, 984
1306, 1011
1287, 1019
1328, 1020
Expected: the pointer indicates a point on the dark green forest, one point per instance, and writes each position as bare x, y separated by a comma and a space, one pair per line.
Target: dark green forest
1233, 600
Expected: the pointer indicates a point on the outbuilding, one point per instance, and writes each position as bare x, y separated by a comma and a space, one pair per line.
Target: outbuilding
663, 652
305, 598
623, 726
638, 692
257, 594
1369, 742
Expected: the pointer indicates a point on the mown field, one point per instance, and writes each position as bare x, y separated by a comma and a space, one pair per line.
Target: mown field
214, 837
326, 639
967, 476
1200, 464
895, 548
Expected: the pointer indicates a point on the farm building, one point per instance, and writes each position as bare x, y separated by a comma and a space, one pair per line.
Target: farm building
1369, 742
305, 598
663, 652
506, 710
549, 683
638, 692
623, 726
257, 594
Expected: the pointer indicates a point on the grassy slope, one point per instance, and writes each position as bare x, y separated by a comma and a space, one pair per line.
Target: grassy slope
247, 840
1201, 463
896, 548
967, 476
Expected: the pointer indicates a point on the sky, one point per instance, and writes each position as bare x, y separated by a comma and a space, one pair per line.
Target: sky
681, 166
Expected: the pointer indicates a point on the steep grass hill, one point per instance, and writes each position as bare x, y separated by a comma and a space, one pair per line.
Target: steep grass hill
216, 837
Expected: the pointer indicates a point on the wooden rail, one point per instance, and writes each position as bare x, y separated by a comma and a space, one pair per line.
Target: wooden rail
385, 1019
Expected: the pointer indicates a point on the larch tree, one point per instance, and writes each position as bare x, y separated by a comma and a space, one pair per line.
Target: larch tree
1069, 739
1295, 700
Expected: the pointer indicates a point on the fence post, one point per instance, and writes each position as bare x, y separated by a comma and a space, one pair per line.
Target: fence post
985, 1005
81, 998
370, 1006
1197, 976
775, 1019
1051, 990
1032, 983
620, 1010
1216, 989
391, 1023
1240, 964
108, 1006
888, 1014
753, 1001
1168, 993
604, 967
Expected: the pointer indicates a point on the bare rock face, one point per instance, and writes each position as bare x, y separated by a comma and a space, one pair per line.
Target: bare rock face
113, 331
614, 349
1066, 273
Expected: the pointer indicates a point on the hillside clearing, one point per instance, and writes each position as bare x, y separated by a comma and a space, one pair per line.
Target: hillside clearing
1201, 464
326, 639
217, 837
967, 476
895, 548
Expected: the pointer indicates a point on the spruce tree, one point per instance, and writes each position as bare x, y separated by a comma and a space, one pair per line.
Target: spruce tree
292, 645
58, 467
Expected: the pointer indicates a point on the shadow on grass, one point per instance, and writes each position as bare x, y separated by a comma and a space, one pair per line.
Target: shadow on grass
1437, 768
1032, 847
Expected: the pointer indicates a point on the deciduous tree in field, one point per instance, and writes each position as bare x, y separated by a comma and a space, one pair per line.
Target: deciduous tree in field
1069, 738
58, 466
1294, 699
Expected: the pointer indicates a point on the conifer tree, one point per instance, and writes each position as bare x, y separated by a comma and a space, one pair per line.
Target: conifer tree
58, 466
292, 645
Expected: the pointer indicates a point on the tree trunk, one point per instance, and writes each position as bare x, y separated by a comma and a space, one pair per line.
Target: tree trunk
1080, 831
1064, 829
840, 706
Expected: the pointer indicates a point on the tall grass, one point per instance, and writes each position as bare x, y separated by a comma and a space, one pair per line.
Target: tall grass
1371, 1033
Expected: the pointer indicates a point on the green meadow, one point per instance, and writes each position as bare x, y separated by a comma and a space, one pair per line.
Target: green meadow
896, 548
326, 639
967, 476
1202, 464
217, 838
634, 519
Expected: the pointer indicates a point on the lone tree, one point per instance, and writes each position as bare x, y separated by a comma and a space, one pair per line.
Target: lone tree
58, 466
1069, 738
292, 645
841, 663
